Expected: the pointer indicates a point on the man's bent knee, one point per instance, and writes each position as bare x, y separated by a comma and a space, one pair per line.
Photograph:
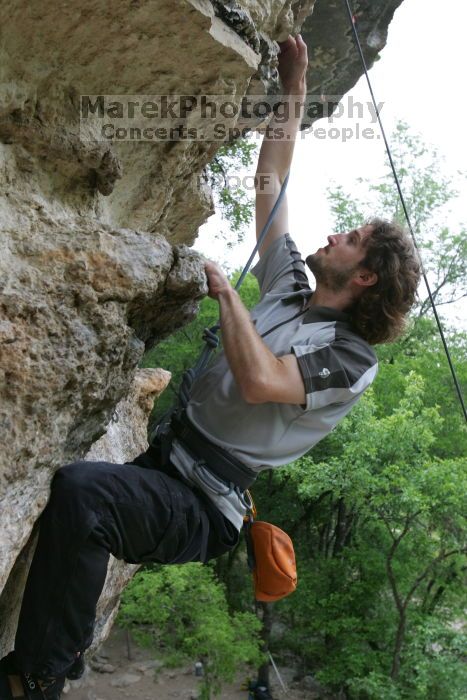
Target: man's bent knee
79, 484
74, 476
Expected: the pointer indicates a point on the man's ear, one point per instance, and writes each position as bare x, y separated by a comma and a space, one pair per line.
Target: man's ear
365, 278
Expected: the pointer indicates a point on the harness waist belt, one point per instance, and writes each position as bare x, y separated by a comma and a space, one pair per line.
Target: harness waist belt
218, 460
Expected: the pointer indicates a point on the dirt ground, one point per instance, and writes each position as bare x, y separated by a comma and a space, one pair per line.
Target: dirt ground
110, 675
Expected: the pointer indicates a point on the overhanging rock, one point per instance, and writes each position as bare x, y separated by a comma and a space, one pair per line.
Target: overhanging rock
335, 64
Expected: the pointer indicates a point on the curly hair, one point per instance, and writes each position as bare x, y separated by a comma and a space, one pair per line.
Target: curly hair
379, 315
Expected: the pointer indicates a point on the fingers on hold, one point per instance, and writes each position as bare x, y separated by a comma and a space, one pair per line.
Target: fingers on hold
302, 43
287, 42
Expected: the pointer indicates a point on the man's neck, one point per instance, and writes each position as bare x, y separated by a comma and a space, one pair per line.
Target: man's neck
333, 300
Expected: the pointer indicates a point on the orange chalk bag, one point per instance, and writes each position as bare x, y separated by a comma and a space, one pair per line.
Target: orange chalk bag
271, 558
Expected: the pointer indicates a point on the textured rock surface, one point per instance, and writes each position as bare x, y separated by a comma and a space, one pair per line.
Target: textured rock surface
335, 63
79, 308
93, 268
124, 439
126, 434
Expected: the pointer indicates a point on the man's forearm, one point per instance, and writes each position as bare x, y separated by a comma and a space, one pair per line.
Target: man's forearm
249, 358
278, 143
279, 139
260, 375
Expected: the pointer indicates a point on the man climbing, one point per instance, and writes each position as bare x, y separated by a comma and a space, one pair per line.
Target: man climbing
288, 373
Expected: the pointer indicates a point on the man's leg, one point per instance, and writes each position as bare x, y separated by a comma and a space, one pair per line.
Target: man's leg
97, 508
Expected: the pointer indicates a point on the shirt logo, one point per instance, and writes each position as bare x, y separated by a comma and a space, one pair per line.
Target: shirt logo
324, 374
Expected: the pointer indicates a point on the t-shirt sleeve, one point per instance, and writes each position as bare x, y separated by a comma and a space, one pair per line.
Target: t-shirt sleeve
335, 373
281, 268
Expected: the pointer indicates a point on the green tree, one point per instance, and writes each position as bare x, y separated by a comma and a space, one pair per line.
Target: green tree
379, 529
421, 351
233, 201
182, 612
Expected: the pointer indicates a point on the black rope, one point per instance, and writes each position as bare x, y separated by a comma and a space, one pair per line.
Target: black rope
352, 19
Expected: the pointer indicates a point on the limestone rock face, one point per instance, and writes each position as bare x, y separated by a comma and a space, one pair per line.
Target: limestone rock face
94, 264
126, 434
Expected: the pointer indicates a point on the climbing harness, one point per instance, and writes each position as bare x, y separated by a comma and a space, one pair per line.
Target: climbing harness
227, 466
353, 24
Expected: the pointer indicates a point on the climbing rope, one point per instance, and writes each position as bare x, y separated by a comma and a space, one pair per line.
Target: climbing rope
353, 24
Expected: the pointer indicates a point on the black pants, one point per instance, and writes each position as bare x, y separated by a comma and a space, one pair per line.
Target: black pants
136, 513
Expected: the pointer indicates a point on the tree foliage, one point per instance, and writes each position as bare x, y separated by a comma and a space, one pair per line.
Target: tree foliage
235, 202
379, 528
183, 611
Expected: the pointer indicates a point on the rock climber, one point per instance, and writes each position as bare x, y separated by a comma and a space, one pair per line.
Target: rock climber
287, 374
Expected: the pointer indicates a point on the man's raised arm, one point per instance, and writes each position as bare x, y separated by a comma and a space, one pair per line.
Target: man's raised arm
278, 143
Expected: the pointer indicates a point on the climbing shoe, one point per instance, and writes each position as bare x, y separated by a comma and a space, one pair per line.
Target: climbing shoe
77, 670
17, 685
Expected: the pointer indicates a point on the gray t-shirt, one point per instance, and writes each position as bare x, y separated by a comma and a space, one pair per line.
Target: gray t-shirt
336, 364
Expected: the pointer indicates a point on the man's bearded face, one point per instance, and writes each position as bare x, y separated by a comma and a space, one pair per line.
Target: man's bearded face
335, 265
328, 275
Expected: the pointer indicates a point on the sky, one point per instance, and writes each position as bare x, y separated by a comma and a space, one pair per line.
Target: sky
420, 79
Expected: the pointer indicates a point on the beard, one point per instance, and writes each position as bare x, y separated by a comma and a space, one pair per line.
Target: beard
329, 277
